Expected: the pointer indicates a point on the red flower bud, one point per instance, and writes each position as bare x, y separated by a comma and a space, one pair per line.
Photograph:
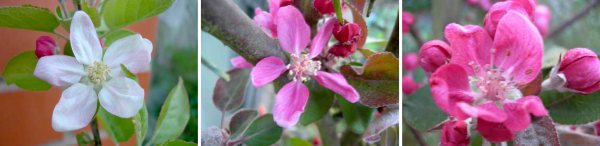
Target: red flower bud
343, 50
581, 69
410, 61
409, 86
434, 54
45, 46
285, 3
455, 133
347, 32
324, 6
407, 21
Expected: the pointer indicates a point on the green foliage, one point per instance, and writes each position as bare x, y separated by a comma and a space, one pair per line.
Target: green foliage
174, 115
356, 116
28, 17
571, 108
177, 143
240, 121
116, 35
83, 139
120, 13
140, 122
263, 131
19, 71
319, 101
120, 129
294, 141
420, 111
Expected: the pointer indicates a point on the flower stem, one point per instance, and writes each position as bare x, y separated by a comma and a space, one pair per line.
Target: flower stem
61, 35
94, 125
337, 5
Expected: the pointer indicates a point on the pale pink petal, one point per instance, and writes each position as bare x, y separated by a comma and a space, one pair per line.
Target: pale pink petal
289, 104
487, 111
493, 131
338, 84
450, 86
84, 40
266, 22
240, 62
267, 70
122, 97
320, 40
132, 51
59, 70
292, 30
274, 5
75, 109
470, 45
533, 105
518, 50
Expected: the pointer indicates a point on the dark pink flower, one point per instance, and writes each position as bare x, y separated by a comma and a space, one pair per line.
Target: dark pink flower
342, 49
410, 61
45, 46
581, 70
409, 86
454, 133
542, 16
434, 54
407, 21
294, 36
484, 75
240, 62
266, 20
499, 9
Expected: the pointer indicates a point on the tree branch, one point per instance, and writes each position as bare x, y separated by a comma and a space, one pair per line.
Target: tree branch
226, 21
573, 19
393, 42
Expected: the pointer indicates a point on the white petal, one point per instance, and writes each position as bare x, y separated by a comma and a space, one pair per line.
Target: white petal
132, 51
59, 70
75, 109
122, 97
84, 40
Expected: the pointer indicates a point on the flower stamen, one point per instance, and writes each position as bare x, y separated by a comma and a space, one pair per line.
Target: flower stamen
301, 67
98, 72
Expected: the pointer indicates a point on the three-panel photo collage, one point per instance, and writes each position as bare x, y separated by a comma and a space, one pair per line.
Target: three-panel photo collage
300, 72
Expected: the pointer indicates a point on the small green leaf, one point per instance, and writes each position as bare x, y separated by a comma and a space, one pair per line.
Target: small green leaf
298, 142
119, 128
240, 121
263, 131
420, 111
116, 35
28, 17
83, 139
120, 13
19, 71
67, 50
128, 73
356, 116
229, 95
173, 116
319, 101
177, 143
140, 123
571, 108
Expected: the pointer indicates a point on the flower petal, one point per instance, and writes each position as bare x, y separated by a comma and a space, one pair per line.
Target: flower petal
517, 117
449, 86
338, 84
519, 47
533, 105
132, 51
122, 97
322, 37
59, 70
292, 30
75, 109
267, 70
471, 45
265, 21
84, 40
289, 104
494, 132
487, 111
240, 62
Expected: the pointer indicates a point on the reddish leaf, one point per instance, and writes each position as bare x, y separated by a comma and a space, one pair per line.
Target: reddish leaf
388, 118
229, 95
377, 81
359, 19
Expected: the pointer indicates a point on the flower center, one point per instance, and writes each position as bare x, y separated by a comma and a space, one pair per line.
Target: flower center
492, 84
98, 72
302, 66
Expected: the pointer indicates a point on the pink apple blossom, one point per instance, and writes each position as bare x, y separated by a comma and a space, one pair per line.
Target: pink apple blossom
454, 133
500, 9
294, 36
410, 61
407, 21
266, 20
45, 46
542, 16
409, 86
578, 71
240, 62
93, 76
484, 75
434, 54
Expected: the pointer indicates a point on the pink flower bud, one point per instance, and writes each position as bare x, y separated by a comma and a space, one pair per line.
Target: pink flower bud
542, 16
581, 69
434, 54
343, 50
455, 133
285, 3
407, 21
324, 6
347, 32
410, 61
409, 86
45, 46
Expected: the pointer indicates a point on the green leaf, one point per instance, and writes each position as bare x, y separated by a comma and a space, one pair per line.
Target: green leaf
140, 123
420, 111
92, 12
571, 108
319, 101
120, 129
240, 121
229, 95
128, 73
67, 50
116, 35
356, 116
119, 13
173, 116
263, 131
19, 71
83, 139
28, 17
177, 143
377, 81
297, 142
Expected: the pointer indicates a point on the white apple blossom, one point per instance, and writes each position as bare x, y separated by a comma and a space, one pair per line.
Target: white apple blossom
93, 76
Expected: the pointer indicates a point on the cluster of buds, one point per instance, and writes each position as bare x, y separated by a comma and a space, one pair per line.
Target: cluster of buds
347, 35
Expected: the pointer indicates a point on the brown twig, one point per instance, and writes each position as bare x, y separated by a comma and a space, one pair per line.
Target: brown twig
573, 19
95, 132
393, 42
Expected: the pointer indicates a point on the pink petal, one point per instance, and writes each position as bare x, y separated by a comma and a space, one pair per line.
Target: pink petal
266, 22
499, 9
240, 62
494, 132
533, 105
338, 84
449, 86
471, 45
517, 116
59, 70
542, 16
487, 111
292, 30
519, 48
454, 133
267, 70
434, 54
320, 40
274, 6
289, 104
